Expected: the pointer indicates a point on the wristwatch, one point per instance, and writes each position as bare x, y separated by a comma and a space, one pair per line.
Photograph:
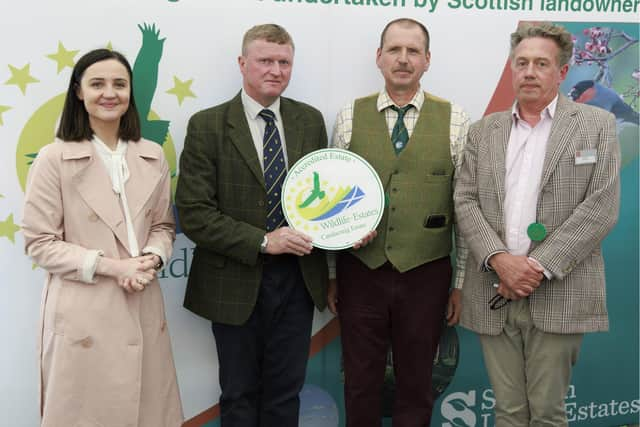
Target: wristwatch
263, 245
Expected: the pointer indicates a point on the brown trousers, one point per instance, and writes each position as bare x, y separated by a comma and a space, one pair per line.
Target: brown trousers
382, 307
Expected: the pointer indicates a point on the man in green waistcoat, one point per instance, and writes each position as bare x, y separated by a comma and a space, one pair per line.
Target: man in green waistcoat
395, 290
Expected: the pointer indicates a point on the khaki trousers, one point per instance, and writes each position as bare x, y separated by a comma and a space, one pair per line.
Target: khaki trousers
529, 370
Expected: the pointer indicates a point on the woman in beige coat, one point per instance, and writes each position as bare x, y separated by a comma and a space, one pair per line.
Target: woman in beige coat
98, 219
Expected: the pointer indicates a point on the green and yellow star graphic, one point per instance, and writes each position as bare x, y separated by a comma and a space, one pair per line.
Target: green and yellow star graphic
21, 78
63, 57
8, 228
3, 108
181, 89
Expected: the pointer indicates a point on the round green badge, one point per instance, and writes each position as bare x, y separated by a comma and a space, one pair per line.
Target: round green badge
536, 232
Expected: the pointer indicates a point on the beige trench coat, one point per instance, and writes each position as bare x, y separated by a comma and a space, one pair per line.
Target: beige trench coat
105, 354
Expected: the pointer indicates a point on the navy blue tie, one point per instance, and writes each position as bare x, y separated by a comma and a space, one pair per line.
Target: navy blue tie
275, 170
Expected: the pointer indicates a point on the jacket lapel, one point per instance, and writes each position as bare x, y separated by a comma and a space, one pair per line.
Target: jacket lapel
144, 175
240, 136
498, 140
94, 186
562, 128
293, 131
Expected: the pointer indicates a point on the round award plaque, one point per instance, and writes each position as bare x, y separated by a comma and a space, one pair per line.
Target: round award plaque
334, 196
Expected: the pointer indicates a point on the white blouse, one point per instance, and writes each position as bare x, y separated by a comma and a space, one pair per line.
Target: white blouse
116, 164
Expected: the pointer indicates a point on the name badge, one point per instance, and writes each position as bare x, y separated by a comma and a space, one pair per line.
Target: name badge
586, 157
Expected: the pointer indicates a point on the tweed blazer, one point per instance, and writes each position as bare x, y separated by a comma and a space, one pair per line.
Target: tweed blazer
578, 205
221, 199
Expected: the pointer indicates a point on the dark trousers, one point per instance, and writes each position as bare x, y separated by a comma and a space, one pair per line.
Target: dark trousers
262, 363
381, 307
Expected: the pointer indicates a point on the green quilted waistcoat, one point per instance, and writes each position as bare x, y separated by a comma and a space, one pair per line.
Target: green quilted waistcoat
418, 183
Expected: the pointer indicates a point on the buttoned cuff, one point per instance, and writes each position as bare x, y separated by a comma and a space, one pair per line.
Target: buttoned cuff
156, 251
89, 265
547, 273
487, 267
459, 278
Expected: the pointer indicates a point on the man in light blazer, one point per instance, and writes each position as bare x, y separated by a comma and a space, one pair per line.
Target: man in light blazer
255, 278
537, 194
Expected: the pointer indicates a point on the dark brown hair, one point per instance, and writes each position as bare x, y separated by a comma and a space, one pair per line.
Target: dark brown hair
74, 123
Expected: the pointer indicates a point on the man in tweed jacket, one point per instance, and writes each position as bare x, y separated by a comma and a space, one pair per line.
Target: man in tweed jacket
258, 288
537, 193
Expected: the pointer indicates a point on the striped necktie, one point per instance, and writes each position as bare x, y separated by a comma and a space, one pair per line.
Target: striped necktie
274, 170
400, 135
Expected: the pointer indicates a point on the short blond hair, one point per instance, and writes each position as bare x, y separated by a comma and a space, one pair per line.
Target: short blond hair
546, 30
272, 33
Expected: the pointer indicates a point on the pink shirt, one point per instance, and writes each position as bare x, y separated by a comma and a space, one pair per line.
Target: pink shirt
525, 158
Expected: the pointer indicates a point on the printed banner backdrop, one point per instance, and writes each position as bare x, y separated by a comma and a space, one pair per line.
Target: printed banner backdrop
184, 54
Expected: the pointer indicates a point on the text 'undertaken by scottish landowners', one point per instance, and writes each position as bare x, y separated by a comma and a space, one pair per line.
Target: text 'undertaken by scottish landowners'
431, 6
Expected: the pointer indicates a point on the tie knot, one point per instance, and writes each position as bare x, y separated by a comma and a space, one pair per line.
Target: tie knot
401, 110
267, 115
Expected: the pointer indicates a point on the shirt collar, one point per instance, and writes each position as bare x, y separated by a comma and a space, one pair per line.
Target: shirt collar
548, 112
385, 101
252, 107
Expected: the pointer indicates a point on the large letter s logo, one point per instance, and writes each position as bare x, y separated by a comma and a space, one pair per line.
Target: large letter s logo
455, 408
